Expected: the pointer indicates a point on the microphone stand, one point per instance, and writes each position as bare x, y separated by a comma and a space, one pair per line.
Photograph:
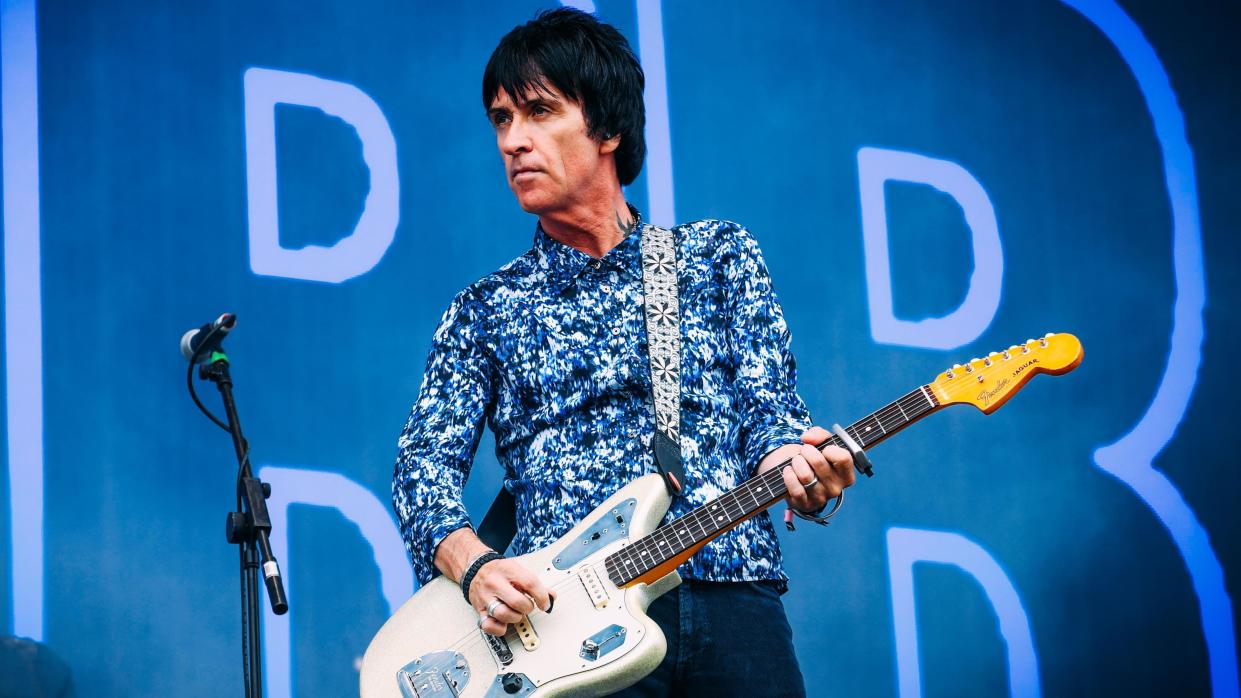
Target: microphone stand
248, 527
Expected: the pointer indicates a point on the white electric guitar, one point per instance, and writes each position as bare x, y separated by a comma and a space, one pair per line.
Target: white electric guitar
607, 570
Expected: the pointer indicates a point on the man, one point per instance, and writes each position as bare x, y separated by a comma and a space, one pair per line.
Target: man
552, 351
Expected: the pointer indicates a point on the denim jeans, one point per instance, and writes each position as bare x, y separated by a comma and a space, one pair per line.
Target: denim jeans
724, 639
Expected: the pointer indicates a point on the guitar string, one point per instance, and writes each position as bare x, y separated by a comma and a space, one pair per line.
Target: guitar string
884, 416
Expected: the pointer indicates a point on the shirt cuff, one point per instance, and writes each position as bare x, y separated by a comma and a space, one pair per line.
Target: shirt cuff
447, 520
762, 441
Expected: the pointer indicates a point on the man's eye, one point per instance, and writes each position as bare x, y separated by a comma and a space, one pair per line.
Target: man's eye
499, 119
538, 110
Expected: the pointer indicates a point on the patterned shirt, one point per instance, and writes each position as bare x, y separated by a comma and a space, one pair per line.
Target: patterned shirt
551, 351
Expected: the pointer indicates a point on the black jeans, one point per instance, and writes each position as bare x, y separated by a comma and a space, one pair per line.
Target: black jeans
724, 639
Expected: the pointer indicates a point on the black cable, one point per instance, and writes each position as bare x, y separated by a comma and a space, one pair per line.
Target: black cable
189, 380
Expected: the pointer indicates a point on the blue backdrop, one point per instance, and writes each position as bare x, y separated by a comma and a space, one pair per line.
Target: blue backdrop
929, 182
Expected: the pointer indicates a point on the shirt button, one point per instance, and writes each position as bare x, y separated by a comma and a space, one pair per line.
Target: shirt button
605, 288
594, 264
615, 331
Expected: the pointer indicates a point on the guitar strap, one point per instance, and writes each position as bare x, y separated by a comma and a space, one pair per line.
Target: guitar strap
663, 340
663, 335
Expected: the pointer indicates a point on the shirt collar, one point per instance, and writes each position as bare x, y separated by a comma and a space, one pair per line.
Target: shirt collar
563, 263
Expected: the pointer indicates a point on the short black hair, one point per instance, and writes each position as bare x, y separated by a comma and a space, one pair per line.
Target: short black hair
589, 62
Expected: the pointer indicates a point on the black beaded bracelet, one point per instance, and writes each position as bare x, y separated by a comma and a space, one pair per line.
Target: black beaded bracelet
468, 577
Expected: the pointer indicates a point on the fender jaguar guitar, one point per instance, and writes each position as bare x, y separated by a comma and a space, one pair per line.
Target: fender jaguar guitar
608, 569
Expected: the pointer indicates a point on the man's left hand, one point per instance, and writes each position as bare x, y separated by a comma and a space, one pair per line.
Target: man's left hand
815, 477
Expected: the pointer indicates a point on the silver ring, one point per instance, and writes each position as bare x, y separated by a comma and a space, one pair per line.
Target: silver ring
491, 607
812, 483
482, 618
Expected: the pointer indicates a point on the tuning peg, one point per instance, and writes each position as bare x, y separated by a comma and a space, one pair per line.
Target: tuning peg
969, 366
1007, 356
1043, 342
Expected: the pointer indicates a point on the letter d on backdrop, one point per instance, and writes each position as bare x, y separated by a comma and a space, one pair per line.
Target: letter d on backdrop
967, 322
359, 251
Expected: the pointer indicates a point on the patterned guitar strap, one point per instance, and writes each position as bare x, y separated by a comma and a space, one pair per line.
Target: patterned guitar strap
663, 336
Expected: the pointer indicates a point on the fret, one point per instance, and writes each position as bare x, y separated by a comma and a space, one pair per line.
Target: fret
646, 551
753, 492
902, 409
668, 533
927, 394
764, 487
695, 518
719, 514
680, 528
630, 563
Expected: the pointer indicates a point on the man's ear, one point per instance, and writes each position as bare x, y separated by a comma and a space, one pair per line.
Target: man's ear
609, 144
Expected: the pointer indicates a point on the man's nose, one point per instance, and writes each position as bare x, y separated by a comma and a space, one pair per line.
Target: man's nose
516, 139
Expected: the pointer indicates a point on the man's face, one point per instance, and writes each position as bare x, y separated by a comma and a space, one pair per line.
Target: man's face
550, 161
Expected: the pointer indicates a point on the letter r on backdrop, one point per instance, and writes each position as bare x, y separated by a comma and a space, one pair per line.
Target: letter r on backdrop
967, 322
360, 250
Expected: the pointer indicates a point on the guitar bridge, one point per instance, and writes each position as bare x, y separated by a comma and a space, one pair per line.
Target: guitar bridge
499, 648
441, 674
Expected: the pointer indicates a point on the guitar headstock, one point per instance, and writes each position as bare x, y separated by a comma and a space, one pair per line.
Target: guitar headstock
989, 382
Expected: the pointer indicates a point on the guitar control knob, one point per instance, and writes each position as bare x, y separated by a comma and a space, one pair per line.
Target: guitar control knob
511, 683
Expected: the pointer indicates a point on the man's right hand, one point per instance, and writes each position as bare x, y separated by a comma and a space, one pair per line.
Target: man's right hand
520, 590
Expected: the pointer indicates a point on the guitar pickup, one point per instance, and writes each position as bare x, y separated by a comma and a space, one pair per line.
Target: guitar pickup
594, 586
525, 631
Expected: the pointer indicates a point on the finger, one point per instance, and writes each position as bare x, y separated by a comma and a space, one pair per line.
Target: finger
516, 604
793, 481
491, 626
815, 497
815, 436
529, 584
816, 460
842, 463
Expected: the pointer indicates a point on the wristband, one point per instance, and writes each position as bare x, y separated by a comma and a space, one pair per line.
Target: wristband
472, 570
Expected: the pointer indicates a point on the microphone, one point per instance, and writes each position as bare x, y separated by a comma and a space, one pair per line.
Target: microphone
191, 341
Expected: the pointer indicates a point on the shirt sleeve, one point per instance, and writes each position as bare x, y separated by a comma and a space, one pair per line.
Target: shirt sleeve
772, 413
437, 445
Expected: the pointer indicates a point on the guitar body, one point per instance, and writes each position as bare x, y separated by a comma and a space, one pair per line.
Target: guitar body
597, 640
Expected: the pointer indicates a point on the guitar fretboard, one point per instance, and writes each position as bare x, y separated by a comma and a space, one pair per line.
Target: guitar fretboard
754, 495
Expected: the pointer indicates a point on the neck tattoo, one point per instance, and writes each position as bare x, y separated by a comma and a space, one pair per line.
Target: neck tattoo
626, 227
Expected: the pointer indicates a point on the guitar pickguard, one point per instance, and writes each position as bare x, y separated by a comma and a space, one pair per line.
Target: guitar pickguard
612, 526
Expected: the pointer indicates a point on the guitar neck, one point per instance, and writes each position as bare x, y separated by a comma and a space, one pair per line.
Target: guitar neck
662, 550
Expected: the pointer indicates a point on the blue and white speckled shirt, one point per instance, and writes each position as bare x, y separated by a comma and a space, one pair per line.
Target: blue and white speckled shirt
551, 351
